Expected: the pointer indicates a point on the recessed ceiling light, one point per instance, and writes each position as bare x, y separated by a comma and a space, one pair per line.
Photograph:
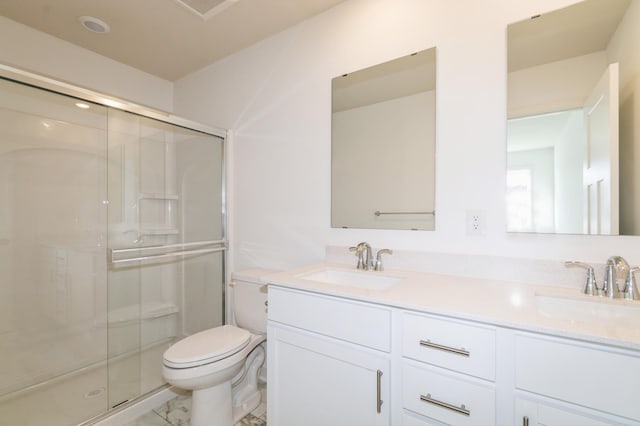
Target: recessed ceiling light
94, 24
82, 105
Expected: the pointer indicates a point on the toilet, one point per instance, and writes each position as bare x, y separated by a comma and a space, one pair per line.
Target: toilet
221, 365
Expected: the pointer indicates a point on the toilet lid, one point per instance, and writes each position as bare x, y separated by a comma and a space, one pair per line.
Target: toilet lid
206, 346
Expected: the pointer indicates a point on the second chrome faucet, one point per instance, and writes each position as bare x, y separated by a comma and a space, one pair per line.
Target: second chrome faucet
616, 268
365, 257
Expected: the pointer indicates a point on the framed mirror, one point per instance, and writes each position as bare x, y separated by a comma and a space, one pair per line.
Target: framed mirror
573, 128
383, 145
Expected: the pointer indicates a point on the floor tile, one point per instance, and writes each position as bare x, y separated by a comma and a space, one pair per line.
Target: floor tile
177, 412
149, 419
251, 420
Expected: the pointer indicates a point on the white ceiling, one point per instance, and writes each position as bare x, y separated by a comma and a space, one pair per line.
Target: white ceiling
163, 37
167, 39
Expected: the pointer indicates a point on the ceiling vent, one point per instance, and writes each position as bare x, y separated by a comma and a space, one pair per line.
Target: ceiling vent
206, 8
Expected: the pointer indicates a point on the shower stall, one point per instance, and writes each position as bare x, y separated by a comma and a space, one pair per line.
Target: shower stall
112, 246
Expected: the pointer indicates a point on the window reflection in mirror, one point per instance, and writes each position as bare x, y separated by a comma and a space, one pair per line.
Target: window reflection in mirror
383, 145
573, 120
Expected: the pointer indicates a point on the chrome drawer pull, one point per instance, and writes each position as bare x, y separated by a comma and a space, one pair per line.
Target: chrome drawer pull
379, 391
525, 421
460, 410
460, 351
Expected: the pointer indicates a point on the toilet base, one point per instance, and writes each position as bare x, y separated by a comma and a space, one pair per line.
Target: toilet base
212, 406
250, 404
246, 396
222, 405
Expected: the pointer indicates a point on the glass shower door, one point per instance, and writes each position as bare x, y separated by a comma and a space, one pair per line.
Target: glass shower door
112, 246
53, 294
166, 245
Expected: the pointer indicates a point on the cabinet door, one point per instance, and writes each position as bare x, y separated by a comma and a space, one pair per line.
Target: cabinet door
314, 380
534, 413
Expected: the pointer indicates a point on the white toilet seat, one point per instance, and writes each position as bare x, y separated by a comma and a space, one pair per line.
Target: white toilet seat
206, 347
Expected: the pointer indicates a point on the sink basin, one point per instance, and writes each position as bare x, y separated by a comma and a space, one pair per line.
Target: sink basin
369, 280
588, 309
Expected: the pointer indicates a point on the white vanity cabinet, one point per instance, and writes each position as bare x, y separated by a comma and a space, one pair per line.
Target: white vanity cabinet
329, 361
564, 382
339, 361
448, 370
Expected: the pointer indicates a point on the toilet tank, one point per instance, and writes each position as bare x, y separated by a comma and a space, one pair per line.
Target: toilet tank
250, 300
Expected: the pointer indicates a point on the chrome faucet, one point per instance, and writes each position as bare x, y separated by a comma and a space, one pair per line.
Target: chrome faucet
615, 265
615, 269
365, 257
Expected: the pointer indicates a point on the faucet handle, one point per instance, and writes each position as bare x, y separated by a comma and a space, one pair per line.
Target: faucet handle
591, 286
379, 266
360, 255
630, 288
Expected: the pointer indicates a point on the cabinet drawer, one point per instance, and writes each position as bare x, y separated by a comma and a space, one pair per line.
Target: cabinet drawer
462, 347
588, 375
351, 321
411, 419
542, 414
447, 398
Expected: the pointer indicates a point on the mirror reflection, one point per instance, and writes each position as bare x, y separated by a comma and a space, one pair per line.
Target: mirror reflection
573, 120
383, 145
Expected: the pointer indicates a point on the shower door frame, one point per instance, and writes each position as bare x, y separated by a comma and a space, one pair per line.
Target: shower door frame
51, 85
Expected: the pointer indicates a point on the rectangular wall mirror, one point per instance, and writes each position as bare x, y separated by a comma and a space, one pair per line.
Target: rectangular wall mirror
573, 128
383, 145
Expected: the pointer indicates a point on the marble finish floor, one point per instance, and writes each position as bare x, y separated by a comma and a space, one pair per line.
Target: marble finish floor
176, 412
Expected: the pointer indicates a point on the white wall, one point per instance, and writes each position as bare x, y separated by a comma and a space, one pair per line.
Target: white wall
276, 97
30, 50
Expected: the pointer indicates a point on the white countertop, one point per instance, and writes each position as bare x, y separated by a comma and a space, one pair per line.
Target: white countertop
558, 311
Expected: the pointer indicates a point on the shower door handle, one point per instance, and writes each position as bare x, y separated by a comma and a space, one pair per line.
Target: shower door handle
167, 255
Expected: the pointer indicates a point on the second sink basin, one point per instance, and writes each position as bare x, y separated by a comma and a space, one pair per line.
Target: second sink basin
588, 309
368, 280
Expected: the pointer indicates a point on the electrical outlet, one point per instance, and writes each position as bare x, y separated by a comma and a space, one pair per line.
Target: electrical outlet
475, 222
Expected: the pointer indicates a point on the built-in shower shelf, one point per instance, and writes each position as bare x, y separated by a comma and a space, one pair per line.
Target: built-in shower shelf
172, 231
160, 196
